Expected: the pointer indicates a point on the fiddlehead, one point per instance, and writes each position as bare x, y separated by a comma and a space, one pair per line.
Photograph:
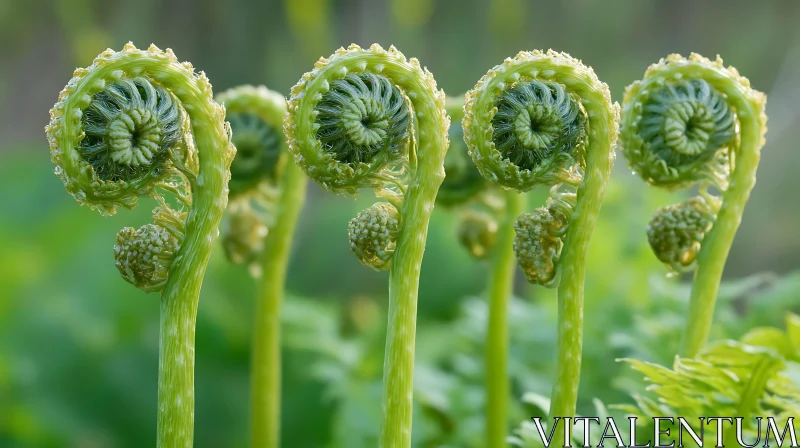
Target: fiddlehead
694, 121
268, 193
137, 123
256, 118
545, 119
373, 119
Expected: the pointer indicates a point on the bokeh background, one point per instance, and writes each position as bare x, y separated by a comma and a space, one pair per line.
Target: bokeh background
78, 345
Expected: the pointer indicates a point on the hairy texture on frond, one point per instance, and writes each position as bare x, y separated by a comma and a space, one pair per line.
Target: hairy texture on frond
681, 123
746, 378
352, 119
685, 129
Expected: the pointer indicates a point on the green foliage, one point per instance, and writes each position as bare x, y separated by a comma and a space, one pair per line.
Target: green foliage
754, 376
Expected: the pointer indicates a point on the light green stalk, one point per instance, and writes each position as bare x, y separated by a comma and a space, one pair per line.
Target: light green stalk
501, 286
268, 191
594, 153
716, 246
724, 155
265, 393
203, 167
572, 264
413, 196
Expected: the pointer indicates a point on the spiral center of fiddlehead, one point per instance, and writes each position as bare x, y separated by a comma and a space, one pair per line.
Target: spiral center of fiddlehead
686, 121
129, 129
362, 115
257, 150
536, 120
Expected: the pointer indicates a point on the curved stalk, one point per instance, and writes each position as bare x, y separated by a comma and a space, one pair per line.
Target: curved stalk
694, 121
545, 119
372, 119
133, 123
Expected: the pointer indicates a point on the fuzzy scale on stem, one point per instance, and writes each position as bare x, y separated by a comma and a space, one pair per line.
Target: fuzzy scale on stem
545, 119
369, 118
194, 166
714, 125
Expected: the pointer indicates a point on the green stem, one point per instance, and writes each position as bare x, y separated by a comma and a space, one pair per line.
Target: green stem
714, 252
265, 391
181, 294
500, 290
398, 384
717, 243
572, 263
425, 172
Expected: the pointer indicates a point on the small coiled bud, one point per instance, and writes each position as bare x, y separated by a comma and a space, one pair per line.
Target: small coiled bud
676, 231
258, 151
144, 256
538, 243
243, 236
373, 235
477, 232
256, 115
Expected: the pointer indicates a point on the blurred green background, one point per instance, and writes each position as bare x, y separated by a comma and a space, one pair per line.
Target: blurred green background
78, 345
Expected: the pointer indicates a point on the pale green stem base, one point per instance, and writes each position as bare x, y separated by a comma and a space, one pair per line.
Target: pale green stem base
265, 392
176, 372
179, 302
501, 286
398, 366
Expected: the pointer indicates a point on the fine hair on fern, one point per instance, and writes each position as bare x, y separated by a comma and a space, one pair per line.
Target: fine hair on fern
138, 123
545, 119
749, 379
267, 196
370, 118
694, 122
